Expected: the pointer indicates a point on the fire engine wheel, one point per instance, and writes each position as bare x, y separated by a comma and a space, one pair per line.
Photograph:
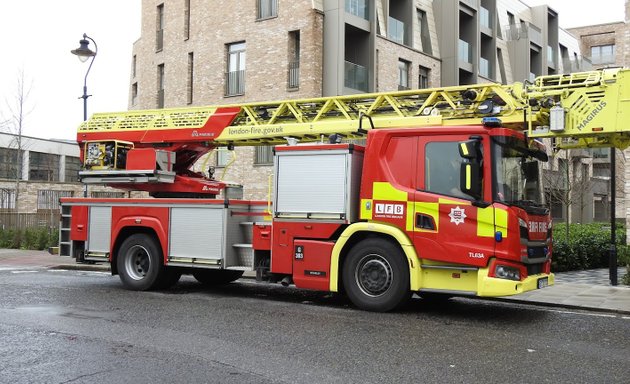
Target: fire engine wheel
376, 276
212, 277
140, 263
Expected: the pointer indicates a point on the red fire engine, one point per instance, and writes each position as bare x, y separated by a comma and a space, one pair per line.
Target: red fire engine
444, 198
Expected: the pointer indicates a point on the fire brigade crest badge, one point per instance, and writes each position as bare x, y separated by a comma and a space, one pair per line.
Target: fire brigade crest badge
457, 215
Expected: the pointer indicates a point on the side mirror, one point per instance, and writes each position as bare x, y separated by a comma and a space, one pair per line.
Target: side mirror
469, 149
470, 179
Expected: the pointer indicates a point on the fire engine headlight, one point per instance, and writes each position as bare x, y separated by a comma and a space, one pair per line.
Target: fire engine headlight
509, 273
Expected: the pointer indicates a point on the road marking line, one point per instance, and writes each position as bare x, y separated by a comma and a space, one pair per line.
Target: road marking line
582, 313
16, 272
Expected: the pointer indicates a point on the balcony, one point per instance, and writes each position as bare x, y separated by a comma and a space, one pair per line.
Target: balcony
355, 76
357, 8
464, 51
396, 30
235, 83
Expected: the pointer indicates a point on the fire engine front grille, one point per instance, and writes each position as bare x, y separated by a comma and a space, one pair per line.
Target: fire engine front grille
534, 269
536, 252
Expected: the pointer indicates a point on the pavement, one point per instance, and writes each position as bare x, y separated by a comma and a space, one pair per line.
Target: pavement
589, 290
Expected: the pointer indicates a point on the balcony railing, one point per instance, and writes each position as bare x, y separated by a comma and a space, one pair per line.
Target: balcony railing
235, 83
356, 76
580, 64
551, 56
484, 18
603, 59
464, 51
294, 74
358, 8
396, 30
484, 67
523, 31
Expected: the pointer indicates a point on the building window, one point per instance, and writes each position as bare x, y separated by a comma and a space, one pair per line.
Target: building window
555, 204
603, 54
7, 199
9, 163
43, 166
107, 195
600, 208
159, 34
423, 77
160, 86
186, 19
403, 74
294, 59
425, 36
133, 66
48, 200
73, 166
134, 93
266, 9
235, 77
264, 155
189, 85
223, 156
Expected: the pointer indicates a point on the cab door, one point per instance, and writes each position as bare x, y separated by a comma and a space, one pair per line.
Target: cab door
446, 223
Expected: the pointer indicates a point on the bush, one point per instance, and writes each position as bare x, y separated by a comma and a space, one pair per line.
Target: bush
29, 238
588, 246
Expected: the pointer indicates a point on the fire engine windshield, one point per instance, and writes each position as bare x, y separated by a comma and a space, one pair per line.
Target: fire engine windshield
516, 174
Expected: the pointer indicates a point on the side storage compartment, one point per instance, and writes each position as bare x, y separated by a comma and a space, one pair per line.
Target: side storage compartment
213, 235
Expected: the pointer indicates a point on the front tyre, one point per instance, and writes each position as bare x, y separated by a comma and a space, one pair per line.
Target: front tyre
376, 276
140, 263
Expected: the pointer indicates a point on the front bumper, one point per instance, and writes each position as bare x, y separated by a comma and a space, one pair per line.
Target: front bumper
491, 286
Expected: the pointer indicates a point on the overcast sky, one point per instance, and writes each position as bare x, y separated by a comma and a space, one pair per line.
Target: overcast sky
36, 36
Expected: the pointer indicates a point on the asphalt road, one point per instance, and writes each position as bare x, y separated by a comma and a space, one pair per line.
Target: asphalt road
82, 327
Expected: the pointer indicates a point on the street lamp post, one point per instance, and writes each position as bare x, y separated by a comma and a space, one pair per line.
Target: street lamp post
84, 53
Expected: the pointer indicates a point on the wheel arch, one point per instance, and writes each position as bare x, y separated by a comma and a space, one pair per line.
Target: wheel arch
123, 234
357, 232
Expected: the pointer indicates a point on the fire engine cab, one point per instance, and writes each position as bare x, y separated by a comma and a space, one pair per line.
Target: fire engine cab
444, 198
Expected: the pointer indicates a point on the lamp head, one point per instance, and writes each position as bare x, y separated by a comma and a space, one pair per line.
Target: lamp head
83, 52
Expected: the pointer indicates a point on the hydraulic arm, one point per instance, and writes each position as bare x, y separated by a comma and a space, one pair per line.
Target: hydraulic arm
159, 147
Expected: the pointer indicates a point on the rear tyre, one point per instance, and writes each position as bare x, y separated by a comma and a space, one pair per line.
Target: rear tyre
170, 277
211, 277
376, 276
140, 263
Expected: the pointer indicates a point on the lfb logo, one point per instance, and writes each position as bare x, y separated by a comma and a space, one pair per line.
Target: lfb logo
390, 209
457, 215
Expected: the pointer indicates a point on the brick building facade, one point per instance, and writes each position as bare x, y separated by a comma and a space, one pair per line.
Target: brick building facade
205, 52
608, 45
